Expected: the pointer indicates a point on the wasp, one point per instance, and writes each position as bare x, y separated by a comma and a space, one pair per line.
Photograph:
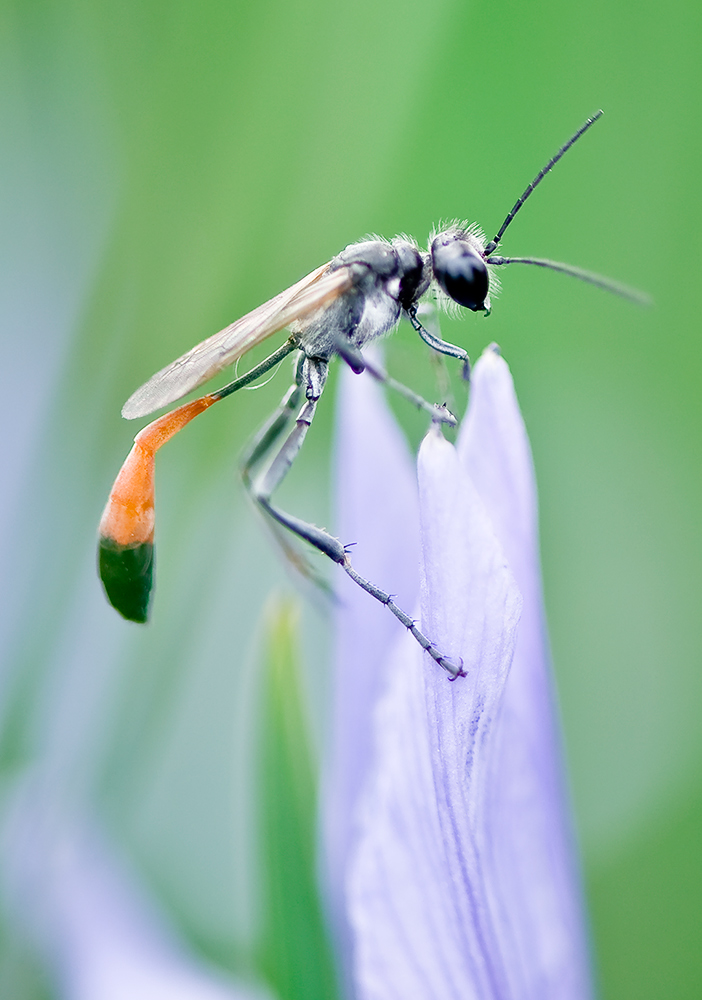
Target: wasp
336, 310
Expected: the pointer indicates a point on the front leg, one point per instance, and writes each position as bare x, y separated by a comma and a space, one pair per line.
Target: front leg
437, 344
359, 363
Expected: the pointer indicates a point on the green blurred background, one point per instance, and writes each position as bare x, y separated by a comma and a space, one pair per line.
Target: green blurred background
167, 166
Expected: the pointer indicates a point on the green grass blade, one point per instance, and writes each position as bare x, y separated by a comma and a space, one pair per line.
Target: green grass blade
295, 953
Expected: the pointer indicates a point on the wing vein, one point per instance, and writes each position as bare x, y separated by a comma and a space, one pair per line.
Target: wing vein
313, 292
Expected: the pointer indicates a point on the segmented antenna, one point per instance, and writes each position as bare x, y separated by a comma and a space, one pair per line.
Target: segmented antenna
578, 272
494, 243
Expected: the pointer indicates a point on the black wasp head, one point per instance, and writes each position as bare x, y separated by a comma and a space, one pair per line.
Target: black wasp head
460, 268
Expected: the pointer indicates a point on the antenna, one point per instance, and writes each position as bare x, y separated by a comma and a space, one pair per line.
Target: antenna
494, 243
578, 272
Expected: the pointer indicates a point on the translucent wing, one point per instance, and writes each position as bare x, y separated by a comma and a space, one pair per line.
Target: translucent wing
199, 364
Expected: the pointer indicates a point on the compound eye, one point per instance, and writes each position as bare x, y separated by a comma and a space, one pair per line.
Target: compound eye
461, 272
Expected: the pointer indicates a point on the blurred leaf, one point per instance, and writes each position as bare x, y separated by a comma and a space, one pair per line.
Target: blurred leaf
647, 912
295, 952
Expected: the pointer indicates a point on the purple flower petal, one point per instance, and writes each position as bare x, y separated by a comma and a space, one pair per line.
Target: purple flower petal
534, 866
422, 909
463, 882
377, 508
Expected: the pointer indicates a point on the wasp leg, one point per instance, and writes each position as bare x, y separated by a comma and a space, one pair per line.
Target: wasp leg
452, 668
358, 363
437, 344
257, 451
261, 444
312, 375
